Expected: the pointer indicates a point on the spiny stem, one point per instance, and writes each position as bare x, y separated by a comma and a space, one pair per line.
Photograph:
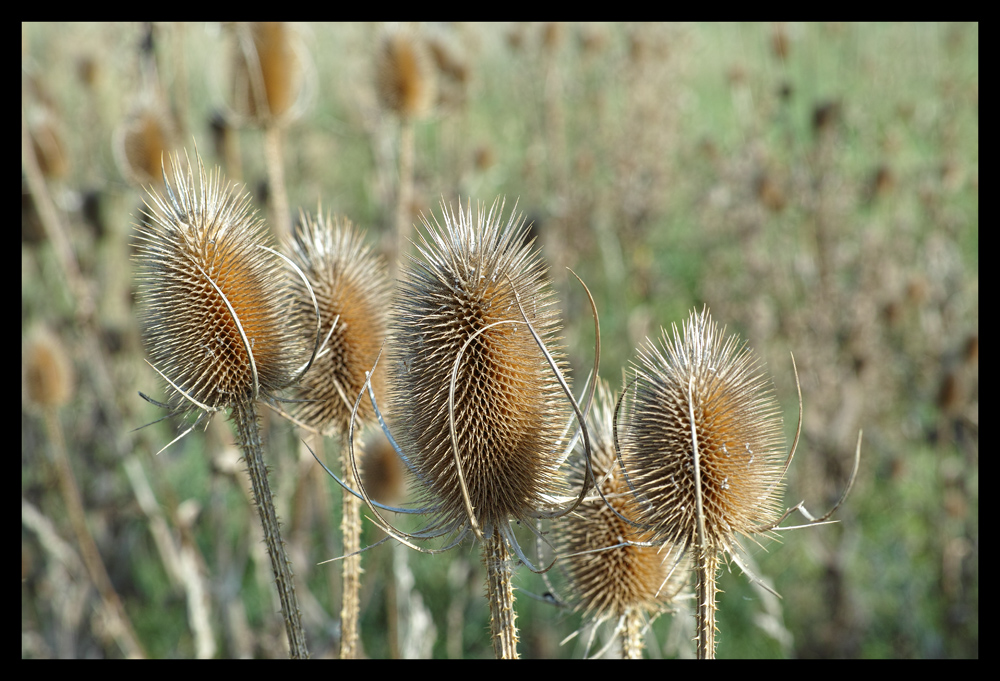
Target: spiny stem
707, 567
632, 635
248, 429
500, 593
350, 527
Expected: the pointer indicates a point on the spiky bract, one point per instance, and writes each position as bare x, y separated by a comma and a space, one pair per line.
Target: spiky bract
610, 581
350, 282
509, 408
213, 301
739, 436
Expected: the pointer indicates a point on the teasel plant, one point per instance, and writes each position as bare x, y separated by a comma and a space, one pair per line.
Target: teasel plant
701, 447
615, 572
48, 385
476, 387
214, 308
406, 85
270, 85
350, 283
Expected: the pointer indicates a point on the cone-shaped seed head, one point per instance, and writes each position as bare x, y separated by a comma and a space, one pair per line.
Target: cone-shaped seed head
739, 436
509, 408
611, 581
268, 73
348, 280
213, 301
405, 75
48, 371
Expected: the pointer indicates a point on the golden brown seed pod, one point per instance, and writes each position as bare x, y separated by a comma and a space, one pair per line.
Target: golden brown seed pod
268, 72
351, 285
509, 408
405, 75
48, 371
142, 144
213, 298
608, 582
739, 437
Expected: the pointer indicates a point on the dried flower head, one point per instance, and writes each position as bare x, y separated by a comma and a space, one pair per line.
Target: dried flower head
458, 298
405, 75
212, 293
740, 444
613, 566
268, 72
48, 371
352, 287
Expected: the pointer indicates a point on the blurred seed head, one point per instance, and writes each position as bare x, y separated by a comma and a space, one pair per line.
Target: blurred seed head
739, 432
143, 143
268, 74
509, 408
203, 275
348, 280
48, 371
610, 582
405, 75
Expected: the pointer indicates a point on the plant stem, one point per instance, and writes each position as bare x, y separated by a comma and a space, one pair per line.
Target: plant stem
248, 429
632, 635
708, 564
276, 182
500, 593
350, 527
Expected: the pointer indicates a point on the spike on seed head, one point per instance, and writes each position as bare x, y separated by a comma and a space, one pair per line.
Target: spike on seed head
212, 297
739, 437
509, 408
608, 582
352, 288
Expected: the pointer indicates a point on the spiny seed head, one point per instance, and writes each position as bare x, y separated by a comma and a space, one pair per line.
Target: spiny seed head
610, 581
213, 301
405, 75
739, 436
509, 408
348, 280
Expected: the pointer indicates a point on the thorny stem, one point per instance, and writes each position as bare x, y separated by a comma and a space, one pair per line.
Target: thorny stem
500, 593
248, 430
708, 565
632, 635
350, 527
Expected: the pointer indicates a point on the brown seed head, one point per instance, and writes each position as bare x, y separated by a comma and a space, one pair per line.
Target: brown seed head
213, 300
509, 408
48, 372
405, 75
611, 581
142, 144
268, 72
739, 436
351, 282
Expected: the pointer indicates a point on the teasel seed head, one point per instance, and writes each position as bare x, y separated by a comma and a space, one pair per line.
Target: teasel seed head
405, 75
509, 408
48, 371
142, 144
268, 72
739, 437
609, 582
352, 288
213, 298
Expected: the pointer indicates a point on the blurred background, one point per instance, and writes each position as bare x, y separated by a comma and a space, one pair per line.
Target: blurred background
815, 185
